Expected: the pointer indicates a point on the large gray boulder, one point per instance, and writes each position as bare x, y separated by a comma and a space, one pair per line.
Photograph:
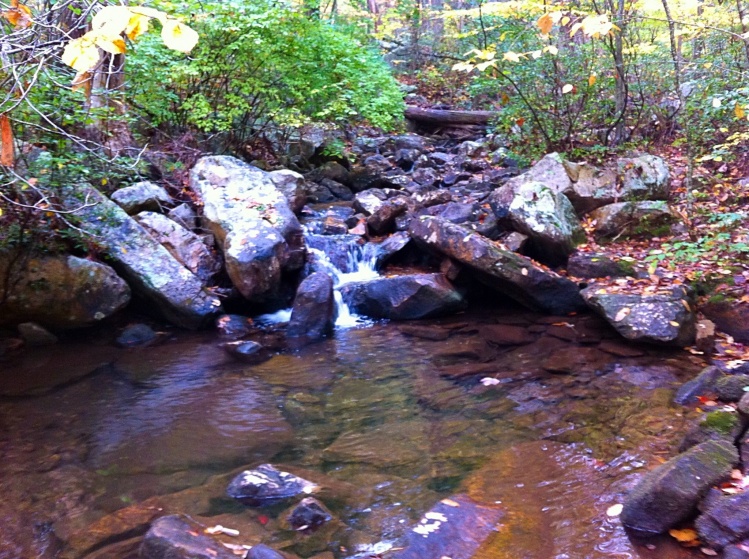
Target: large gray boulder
669, 494
313, 313
661, 318
544, 215
550, 170
405, 297
516, 276
591, 187
60, 292
644, 177
253, 223
175, 293
184, 245
633, 219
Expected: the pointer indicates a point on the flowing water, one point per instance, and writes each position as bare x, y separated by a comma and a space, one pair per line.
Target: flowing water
389, 423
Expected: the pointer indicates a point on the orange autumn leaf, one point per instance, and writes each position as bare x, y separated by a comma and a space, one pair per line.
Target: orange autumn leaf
6, 137
18, 15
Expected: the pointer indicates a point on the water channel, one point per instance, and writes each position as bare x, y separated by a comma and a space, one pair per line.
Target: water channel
553, 428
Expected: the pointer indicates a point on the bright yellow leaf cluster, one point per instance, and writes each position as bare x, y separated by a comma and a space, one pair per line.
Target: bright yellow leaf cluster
107, 29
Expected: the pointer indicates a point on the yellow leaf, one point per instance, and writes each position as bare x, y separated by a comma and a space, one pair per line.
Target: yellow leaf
450, 503
551, 49
484, 65
82, 80
111, 20
149, 12
673, 323
739, 111
512, 56
136, 26
592, 80
575, 28
545, 23
567, 88
111, 44
536, 54
565, 20
178, 36
81, 54
685, 535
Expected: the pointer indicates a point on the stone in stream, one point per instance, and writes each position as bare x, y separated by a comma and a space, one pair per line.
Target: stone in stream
253, 223
668, 495
545, 216
308, 515
664, 318
261, 551
173, 292
724, 519
136, 335
455, 527
701, 385
405, 297
233, 326
60, 292
267, 485
731, 388
314, 312
716, 425
35, 335
512, 274
179, 537
247, 351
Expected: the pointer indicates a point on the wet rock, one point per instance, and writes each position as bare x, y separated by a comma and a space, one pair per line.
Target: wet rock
455, 212
701, 385
714, 426
592, 265
248, 352
266, 485
730, 318
514, 275
725, 520
382, 220
665, 318
142, 196
60, 292
252, 221
178, 537
545, 216
334, 225
405, 297
136, 335
392, 245
506, 334
35, 335
173, 292
731, 388
187, 247
233, 325
292, 185
308, 515
633, 219
313, 313
455, 527
425, 332
615, 347
394, 444
668, 495
261, 551
369, 201
736, 551
644, 177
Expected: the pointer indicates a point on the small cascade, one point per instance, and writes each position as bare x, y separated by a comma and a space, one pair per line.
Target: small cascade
351, 262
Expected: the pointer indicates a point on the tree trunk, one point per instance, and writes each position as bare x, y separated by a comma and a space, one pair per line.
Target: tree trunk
448, 118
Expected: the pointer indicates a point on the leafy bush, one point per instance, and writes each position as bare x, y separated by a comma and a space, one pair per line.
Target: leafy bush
261, 65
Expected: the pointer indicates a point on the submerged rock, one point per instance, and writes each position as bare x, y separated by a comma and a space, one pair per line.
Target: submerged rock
246, 351
702, 384
35, 335
136, 335
663, 318
455, 527
60, 292
266, 485
179, 537
253, 223
514, 275
308, 515
313, 313
669, 494
404, 297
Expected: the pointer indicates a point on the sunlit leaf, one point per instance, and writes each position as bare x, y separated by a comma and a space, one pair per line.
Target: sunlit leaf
18, 15
565, 20
545, 23
112, 45
149, 12
716, 102
614, 510
178, 36
566, 88
551, 49
81, 54
622, 314
136, 26
685, 535
536, 54
484, 65
111, 20
738, 110
512, 56
592, 80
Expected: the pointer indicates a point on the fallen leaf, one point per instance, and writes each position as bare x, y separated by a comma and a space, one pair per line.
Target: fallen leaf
450, 503
684, 535
614, 510
622, 314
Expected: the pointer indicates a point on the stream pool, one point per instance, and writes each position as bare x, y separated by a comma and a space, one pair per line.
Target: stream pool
552, 419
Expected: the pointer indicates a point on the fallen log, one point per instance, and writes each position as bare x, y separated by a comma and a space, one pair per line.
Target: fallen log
440, 117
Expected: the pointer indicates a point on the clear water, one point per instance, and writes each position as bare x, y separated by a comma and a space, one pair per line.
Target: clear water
389, 424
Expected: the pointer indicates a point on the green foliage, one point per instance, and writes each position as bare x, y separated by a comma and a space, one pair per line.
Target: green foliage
258, 66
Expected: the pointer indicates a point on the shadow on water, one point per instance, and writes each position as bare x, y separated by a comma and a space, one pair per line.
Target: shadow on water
555, 430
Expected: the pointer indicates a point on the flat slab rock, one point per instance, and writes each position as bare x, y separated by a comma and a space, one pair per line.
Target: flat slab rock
456, 527
662, 318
